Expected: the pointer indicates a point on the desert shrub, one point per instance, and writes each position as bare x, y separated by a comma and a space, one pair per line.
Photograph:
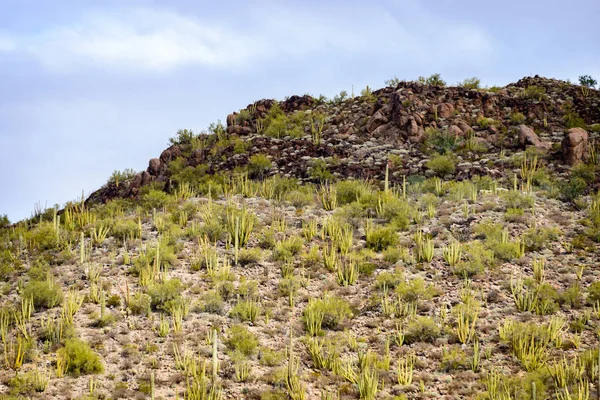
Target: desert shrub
249, 256
243, 116
242, 340
270, 357
380, 238
587, 81
45, 294
351, 191
594, 292
389, 280
139, 304
587, 172
534, 92
124, 229
299, 198
454, 359
79, 358
334, 310
319, 170
415, 290
395, 254
4, 221
434, 79
212, 302
421, 329
471, 83
517, 118
571, 119
246, 310
287, 249
476, 257
441, 165
441, 141
518, 200
537, 237
162, 295
514, 214
42, 237
183, 137
485, 123
259, 165
571, 189
156, 199
572, 296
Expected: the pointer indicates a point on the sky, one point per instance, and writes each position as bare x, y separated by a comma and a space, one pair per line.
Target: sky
89, 87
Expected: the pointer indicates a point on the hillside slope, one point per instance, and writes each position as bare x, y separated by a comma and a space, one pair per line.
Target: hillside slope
415, 242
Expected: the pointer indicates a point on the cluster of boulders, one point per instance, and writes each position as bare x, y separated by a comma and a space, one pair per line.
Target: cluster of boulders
360, 133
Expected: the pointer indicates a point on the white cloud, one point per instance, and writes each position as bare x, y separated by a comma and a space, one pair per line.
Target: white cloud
155, 40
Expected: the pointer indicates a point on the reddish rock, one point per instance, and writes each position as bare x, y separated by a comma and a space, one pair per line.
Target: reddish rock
376, 120
527, 137
455, 130
575, 146
154, 166
231, 119
445, 110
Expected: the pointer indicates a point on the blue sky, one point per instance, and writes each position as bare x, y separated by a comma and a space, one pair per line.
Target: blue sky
93, 86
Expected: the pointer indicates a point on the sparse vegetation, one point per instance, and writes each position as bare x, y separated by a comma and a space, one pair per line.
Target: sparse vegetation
292, 254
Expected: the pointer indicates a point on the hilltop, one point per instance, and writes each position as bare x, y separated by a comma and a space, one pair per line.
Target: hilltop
417, 241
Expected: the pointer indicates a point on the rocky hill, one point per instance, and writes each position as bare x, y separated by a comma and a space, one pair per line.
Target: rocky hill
414, 242
356, 136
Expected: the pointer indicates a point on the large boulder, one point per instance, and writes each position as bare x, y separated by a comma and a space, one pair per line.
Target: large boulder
445, 110
528, 137
575, 146
154, 166
376, 120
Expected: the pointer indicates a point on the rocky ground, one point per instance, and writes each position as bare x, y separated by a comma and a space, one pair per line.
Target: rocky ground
474, 281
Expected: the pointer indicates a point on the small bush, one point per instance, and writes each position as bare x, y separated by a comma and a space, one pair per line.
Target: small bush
441, 165
594, 292
434, 79
139, 304
242, 340
45, 294
334, 310
259, 165
421, 329
79, 358
415, 290
164, 294
380, 238
471, 83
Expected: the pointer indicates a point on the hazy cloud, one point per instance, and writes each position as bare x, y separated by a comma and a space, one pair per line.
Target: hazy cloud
147, 39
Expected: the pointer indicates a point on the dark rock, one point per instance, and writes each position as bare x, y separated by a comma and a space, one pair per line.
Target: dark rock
575, 146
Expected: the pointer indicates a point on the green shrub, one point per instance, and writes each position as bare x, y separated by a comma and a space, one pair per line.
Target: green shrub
434, 79
594, 292
79, 358
572, 189
441, 141
587, 81
334, 310
259, 165
471, 83
162, 295
242, 340
4, 221
454, 359
389, 280
45, 294
139, 304
572, 297
421, 329
124, 229
517, 118
380, 238
441, 165
319, 170
287, 249
537, 237
156, 199
415, 290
